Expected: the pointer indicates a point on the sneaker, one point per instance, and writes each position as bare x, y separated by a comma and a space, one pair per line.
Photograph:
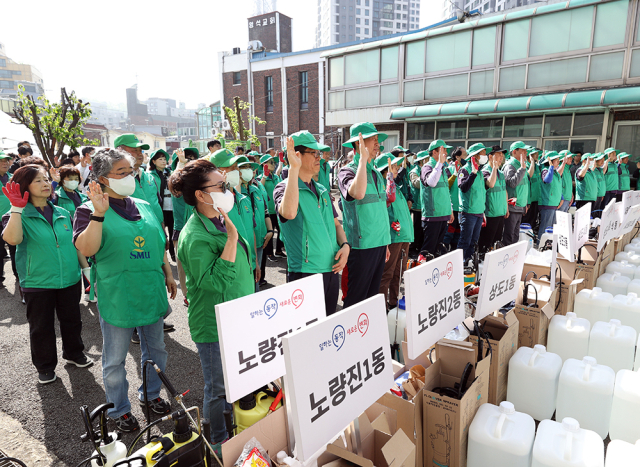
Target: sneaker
263, 282
271, 258
135, 337
280, 254
186, 302
81, 362
87, 294
45, 377
158, 405
127, 423
217, 449
168, 327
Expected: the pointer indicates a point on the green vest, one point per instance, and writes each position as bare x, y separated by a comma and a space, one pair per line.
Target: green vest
156, 179
5, 205
47, 258
181, 212
242, 217
612, 181
404, 184
436, 201
415, 192
587, 188
497, 196
363, 217
535, 182
65, 202
521, 191
310, 237
474, 200
625, 182
270, 183
551, 193
602, 185
324, 178
147, 190
259, 206
454, 191
567, 183
131, 255
399, 211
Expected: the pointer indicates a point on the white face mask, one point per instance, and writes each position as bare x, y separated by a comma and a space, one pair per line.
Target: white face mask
247, 174
233, 178
483, 160
222, 201
71, 184
123, 186
411, 159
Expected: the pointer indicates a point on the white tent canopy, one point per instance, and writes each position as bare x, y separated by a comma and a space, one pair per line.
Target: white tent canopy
11, 134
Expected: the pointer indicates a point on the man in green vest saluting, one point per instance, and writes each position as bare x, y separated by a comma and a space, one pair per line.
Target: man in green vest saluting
586, 183
600, 170
473, 198
550, 191
313, 236
567, 180
416, 206
611, 178
623, 174
364, 204
535, 182
496, 209
516, 178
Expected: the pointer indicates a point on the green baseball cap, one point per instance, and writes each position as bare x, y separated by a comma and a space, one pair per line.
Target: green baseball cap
130, 140
476, 148
622, 155
225, 158
517, 145
266, 158
400, 148
193, 150
243, 161
437, 144
421, 155
159, 152
552, 155
383, 159
599, 156
532, 150
586, 156
566, 153
306, 139
367, 129
608, 150
4, 156
254, 153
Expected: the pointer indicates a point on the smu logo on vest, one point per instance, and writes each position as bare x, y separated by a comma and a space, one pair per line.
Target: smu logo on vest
138, 252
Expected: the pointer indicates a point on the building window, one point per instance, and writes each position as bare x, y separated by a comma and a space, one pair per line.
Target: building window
337, 9
304, 89
366, 12
7, 84
366, 22
357, 30
236, 77
268, 87
357, 11
3, 62
357, 20
366, 30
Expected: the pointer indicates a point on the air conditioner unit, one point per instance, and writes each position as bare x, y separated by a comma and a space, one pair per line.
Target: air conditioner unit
216, 124
255, 45
225, 125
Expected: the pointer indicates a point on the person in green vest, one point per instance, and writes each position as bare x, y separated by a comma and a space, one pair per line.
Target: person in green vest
458, 155
535, 181
324, 176
68, 195
269, 180
5, 205
402, 181
364, 205
130, 272
160, 170
217, 262
435, 199
496, 208
586, 183
550, 191
314, 238
416, 206
517, 180
473, 198
567, 180
611, 178
48, 268
623, 174
600, 169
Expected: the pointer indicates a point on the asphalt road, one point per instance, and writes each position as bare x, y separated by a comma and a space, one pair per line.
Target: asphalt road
51, 412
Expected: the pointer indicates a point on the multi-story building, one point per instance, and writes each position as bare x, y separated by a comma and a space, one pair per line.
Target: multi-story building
453, 7
341, 21
14, 74
103, 114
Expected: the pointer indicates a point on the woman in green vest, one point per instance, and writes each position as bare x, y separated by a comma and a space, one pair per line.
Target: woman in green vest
269, 180
586, 183
551, 191
623, 174
473, 198
217, 261
160, 171
48, 268
612, 181
68, 196
535, 182
416, 206
496, 207
567, 181
600, 172
130, 272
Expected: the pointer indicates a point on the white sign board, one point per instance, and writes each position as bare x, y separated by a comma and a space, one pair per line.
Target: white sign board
434, 301
630, 219
610, 224
250, 330
336, 368
500, 278
581, 226
629, 198
566, 239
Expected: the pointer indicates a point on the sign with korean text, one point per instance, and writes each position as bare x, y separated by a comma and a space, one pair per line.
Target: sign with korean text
610, 224
335, 369
250, 330
631, 217
582, 224
566, 238
500, 278
434, 301
629, 198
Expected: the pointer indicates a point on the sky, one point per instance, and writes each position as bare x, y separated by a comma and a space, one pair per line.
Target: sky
169, 48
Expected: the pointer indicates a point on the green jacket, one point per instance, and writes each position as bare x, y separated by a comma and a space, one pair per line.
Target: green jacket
47, 258
399, 211
454, 191
210, 279
625, 181
5, 205
324, 177
475, 199
270, 183
156, 179
551, 193
65, 202
147, 189
587, 188
242, 217
567, 184
181, 212
535, 182
259, 206
497, 196
602, 184
436, 201
611, 178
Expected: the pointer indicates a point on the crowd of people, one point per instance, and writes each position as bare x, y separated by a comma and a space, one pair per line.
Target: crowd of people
113, 217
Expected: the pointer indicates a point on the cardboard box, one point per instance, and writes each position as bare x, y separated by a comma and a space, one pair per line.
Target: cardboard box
538, 269
503, 345
446, 419
533, 321
607, 255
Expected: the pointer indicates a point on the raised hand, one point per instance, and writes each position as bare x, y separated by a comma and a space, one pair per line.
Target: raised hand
99, 199
181, 157
55, 174
442, 155
232, 232
295, 158
12, 191
364, 152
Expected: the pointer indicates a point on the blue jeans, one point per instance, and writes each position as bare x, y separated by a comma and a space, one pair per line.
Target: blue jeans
566, 204
547, 219
258, 263
214, 394
115, 346
470, 226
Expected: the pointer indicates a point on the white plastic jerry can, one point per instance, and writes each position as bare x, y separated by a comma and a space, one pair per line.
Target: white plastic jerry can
632, 248
625, 411
532, 386
566, 445
624, 268
593, 305
500, 436
628, 256
622, 454
585, 392
615, 284
634, 285
626, 308
568, 336
613, 344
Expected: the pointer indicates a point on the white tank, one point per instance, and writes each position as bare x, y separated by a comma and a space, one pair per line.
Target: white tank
396, 330
585, 392
634, 285
621, 454
625, 411
500, 436
615, 284
566, 445
628, 256
568, 336
593, 305
532, 386
637, 273
526, 235
636, 365
547, 235
632, 248
624, 268
613, 344
626, 308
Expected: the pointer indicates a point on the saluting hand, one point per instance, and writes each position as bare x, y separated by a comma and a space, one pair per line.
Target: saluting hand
181, 157
55, 174
99, 199
232, 232
295, 158
12, 191
364, 152
442, 155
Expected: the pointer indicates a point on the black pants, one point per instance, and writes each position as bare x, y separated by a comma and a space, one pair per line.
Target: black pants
42, 308
12, 256
268, 250
619, 196
579, 204
511, 231
597, 207
168, 223
608, 196
331, 287
433, 235
365, 268
491, 233
531, 217
418, 234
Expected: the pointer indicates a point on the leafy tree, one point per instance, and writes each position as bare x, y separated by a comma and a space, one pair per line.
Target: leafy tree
54, 125
239, 128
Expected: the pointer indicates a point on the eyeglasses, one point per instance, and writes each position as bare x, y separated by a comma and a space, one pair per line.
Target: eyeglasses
222, 185
315, 154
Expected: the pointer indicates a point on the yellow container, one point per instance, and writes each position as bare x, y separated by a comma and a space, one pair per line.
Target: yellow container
245, 418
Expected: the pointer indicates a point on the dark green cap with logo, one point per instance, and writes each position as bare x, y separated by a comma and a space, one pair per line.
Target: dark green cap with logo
130, 140
367, 129
225, 158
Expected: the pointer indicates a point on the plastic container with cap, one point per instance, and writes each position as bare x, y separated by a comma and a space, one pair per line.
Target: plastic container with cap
622, 454
624, 268
634, 285
636, 364
625, 411
585, 392
526, 235
251, 409
613, 344
593, 304
629, 256
566, 445
500, 436
568, 336
615, 284
547, 235
632, 248
532, 386
626, 308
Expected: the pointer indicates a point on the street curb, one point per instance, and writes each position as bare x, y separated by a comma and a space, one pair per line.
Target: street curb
16, 442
